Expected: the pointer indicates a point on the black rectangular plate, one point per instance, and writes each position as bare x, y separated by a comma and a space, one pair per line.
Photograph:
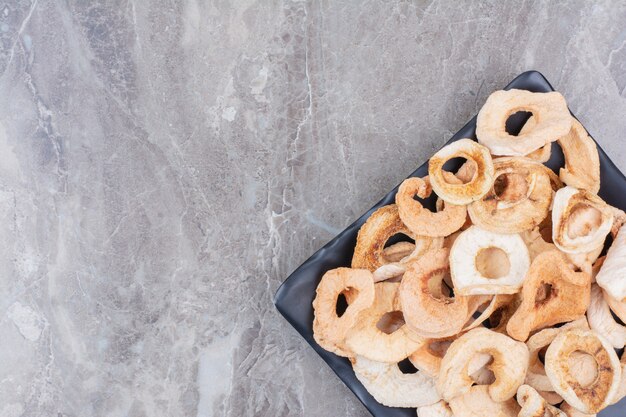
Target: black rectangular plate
294, 297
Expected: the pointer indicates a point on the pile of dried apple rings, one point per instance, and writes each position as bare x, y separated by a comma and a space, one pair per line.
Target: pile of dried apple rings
501, 300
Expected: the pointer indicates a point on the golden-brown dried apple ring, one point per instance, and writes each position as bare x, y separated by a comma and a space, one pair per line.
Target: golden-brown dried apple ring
519, 199
379, 227
477, 403
588, 398
463, 193
394, 342
601, 320
582, 164
440, 409
550, 113
534, 405
580, 220
390, 387
329, 329
536, 375
552, 293
471, 276
427, 358
426, 310
422, 221
611, 274
510, 361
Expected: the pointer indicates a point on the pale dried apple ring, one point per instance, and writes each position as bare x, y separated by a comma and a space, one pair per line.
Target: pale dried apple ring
329, 330
584, 261
390, 387
422, 221
599, 393
439, 409
369, 252
510, 360
536, 375
601, 320
428, 312
464, 193
551, 117
534, 405
367, 339
552, 293
519, 199
427, 358
469, 248
582, 163
477, 403
613, 270
580, 220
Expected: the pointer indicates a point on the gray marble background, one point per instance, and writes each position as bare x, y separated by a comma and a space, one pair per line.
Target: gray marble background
164, 165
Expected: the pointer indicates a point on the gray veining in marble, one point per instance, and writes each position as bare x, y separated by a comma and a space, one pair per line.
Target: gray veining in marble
165, 164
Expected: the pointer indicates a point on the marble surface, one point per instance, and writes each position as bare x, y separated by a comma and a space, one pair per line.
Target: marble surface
164, 165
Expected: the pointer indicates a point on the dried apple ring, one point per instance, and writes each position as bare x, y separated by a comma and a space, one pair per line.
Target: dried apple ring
588, 398
582, 164
329, 329
536, 375
477, 403
551, 117
422, 221
390, 387
580, 220
510, 360
611, 274
471, 276
552, 293
601, 320
426, 310
534, 405
519, 199
392, 343
542, 154
427, 358
384, 223
464, 193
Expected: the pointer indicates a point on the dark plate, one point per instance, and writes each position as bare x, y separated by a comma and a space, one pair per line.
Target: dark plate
294, 297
